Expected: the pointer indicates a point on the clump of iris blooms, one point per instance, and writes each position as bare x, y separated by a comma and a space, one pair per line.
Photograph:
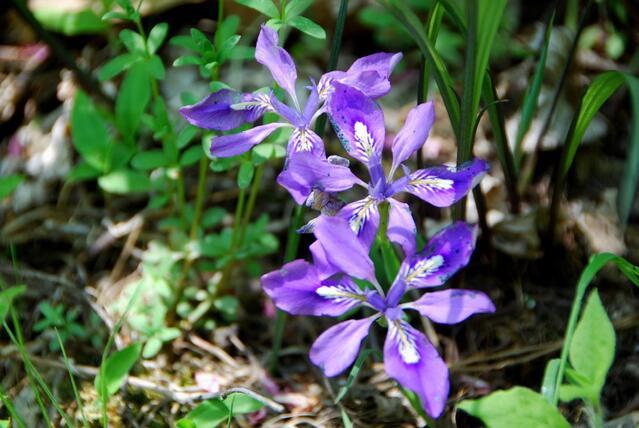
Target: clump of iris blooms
228, 109
302, 288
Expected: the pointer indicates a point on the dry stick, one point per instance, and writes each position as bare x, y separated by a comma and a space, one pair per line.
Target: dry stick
86, 80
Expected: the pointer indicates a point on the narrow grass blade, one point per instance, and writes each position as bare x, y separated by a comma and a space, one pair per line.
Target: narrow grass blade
630, 177
531, 96
11, 409
76, 395
353, 374
549, 385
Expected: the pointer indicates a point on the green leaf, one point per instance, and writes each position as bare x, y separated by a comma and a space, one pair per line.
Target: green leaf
213, 216
113, 15
70, 23
133, 42
150, 159
592, 349
531, 96
601, 88
89, 133
238, 403
186, 135
549, 384
185, 42
125, 181
227, 29
245, 174
228, 306
630, 177
307, 26
208, 414
116, 369
9, 183
353, 374
132, 100
187, 60
226, 47
6, 299
157, 36
296, 7
156, 67
4, 423
151, 347
265, 7
116, 66
517, 407
191, 155
82, 171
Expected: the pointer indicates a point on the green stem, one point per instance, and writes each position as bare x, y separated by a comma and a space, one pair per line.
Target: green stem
255, 187
199, 197
237, 225
389, 256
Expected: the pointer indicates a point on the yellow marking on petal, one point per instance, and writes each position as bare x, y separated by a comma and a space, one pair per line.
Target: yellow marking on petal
424, 267
356, 221
407, 347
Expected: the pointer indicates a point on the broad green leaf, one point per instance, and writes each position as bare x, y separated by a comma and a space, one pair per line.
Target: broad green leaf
70, 23
213, 216
208, 414
265, 7
307, 26
531, 96
9, 183
238, 403
124, 181
592, 349
245, 174
133, 42
187, 60
228, 306
116, 66
630, 177
226, 30
186, 135
115, 15
156, 67
568, 393
4, 423
89, 133
6, 299
157, 36
226, 47
150, 159
132, 100
601, 88
516, 407
116, 369
191, 155
82, 171
152, 347
296, 7
185, 42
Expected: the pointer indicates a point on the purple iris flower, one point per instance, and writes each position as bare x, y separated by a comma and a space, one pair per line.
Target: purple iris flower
227, 109
302, 288
359, 124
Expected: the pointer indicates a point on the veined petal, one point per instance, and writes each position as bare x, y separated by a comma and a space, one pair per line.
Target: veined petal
443, 186
236, 144
452, 306
325, 84
336, 349
297, 289
401, 226
216, 112
288, 113
414, 133
358, 122
343, 249
276, 59
325, 269
447, 252
311, 105
306, 172
304, 140
363, 219
382, 62
412, 360
370, 74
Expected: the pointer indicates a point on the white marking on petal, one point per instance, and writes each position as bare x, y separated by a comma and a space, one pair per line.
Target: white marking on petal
361, 214
424, 268
324, 88
364, 139
340, 293
432, 183
259, 102
301, 142
405, 342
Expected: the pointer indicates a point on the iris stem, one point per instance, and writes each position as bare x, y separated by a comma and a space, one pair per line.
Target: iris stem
389, 256
255, 187
293, 239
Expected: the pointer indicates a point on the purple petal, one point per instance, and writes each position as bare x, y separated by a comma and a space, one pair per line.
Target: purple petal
276, 59
370, 74
297, 289
443, 186
336, 349
311, 105
305, 140
401, 226
306, 172
325, 269
358, 122
414, 133
447, 252
452, 306
288, 113
216, 112
343, 249
410, 359
236, 144
363, 218
325, 85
